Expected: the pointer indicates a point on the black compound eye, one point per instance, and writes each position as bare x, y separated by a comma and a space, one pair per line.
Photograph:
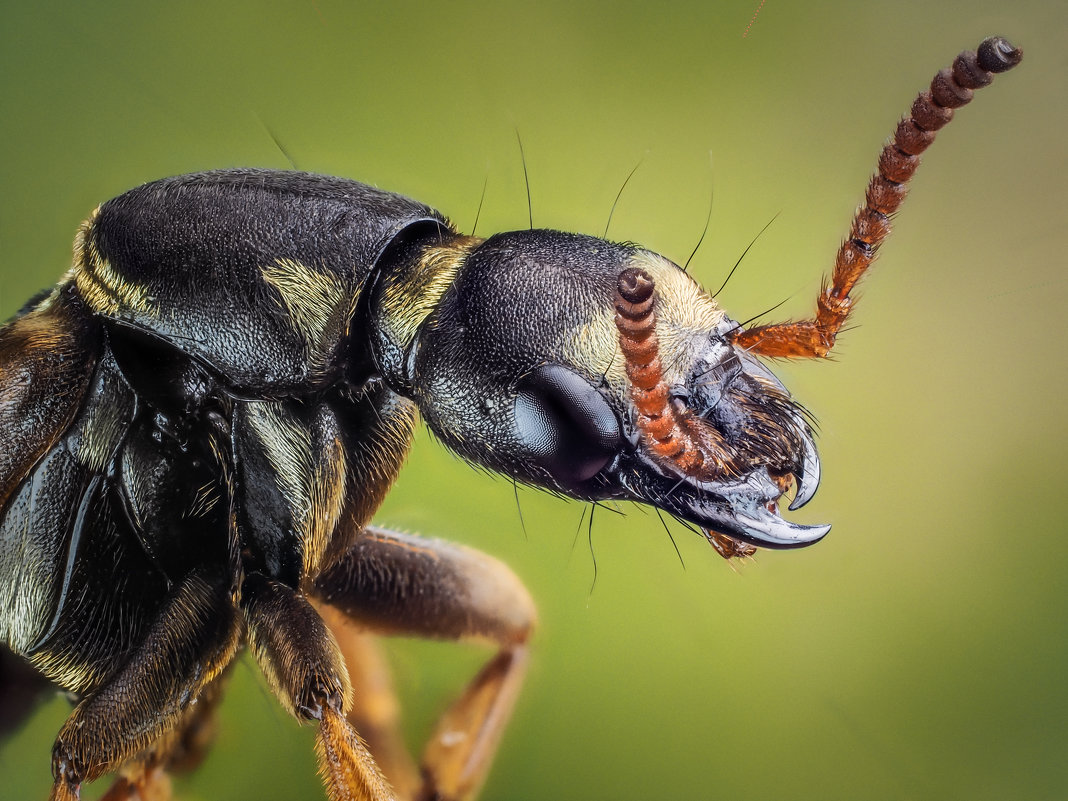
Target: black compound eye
565, 425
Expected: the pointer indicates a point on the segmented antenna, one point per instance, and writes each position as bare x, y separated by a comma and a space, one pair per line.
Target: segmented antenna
950, 89
669, 432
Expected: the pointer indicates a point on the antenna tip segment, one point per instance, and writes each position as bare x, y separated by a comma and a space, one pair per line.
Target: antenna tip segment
635, 286
997, 54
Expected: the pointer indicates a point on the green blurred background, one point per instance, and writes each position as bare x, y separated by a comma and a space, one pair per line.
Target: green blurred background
920, 651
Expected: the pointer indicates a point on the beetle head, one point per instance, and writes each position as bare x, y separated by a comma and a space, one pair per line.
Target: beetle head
521, 366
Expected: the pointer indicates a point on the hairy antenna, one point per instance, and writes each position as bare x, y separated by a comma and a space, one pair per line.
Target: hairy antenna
950, 89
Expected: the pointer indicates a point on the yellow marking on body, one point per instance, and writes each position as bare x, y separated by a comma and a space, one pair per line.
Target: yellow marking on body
409, 298
27, 573
66, 671
104, 290
317, 304
684, 311
374, 461
101, 426
328, 500
312, 480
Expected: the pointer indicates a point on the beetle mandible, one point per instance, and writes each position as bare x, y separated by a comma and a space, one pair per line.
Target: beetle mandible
206, 411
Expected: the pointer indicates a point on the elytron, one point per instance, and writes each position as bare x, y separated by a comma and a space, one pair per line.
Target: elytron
203, 415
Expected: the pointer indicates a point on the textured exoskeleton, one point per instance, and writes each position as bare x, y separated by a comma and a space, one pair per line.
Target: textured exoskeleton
234, 364
204, 414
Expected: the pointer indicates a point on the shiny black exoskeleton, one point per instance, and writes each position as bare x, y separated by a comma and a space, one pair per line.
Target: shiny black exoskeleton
223, 388
203, 415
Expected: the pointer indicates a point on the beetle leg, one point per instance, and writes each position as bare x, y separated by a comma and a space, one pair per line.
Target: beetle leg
194, 637
303, 665
182, 750
152, 784
194, 738
393, 583
375, 711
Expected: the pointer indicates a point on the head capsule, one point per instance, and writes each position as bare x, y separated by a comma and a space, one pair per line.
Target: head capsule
528, 358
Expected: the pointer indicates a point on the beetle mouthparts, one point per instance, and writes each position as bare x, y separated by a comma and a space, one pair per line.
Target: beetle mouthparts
729, 492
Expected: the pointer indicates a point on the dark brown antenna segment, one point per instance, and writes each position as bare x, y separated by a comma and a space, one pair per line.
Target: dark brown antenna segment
950, 89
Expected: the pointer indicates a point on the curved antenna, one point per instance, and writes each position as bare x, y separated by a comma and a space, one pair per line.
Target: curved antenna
949, 90
671, 435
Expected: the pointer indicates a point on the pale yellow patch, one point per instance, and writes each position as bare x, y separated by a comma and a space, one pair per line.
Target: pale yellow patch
684, 311
311, 479
66, 671
103, 289
408, 298
317, 303
102, 425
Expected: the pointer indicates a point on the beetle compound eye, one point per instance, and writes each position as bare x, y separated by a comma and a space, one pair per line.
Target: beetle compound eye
566, 425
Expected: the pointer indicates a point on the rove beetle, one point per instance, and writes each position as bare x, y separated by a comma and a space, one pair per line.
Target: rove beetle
204, 414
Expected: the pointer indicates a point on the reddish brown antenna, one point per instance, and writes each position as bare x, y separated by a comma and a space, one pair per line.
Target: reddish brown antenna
950, 89
670, 433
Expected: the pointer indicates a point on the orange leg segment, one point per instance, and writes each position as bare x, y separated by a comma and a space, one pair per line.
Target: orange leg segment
392, 583
304, 667
375, 710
